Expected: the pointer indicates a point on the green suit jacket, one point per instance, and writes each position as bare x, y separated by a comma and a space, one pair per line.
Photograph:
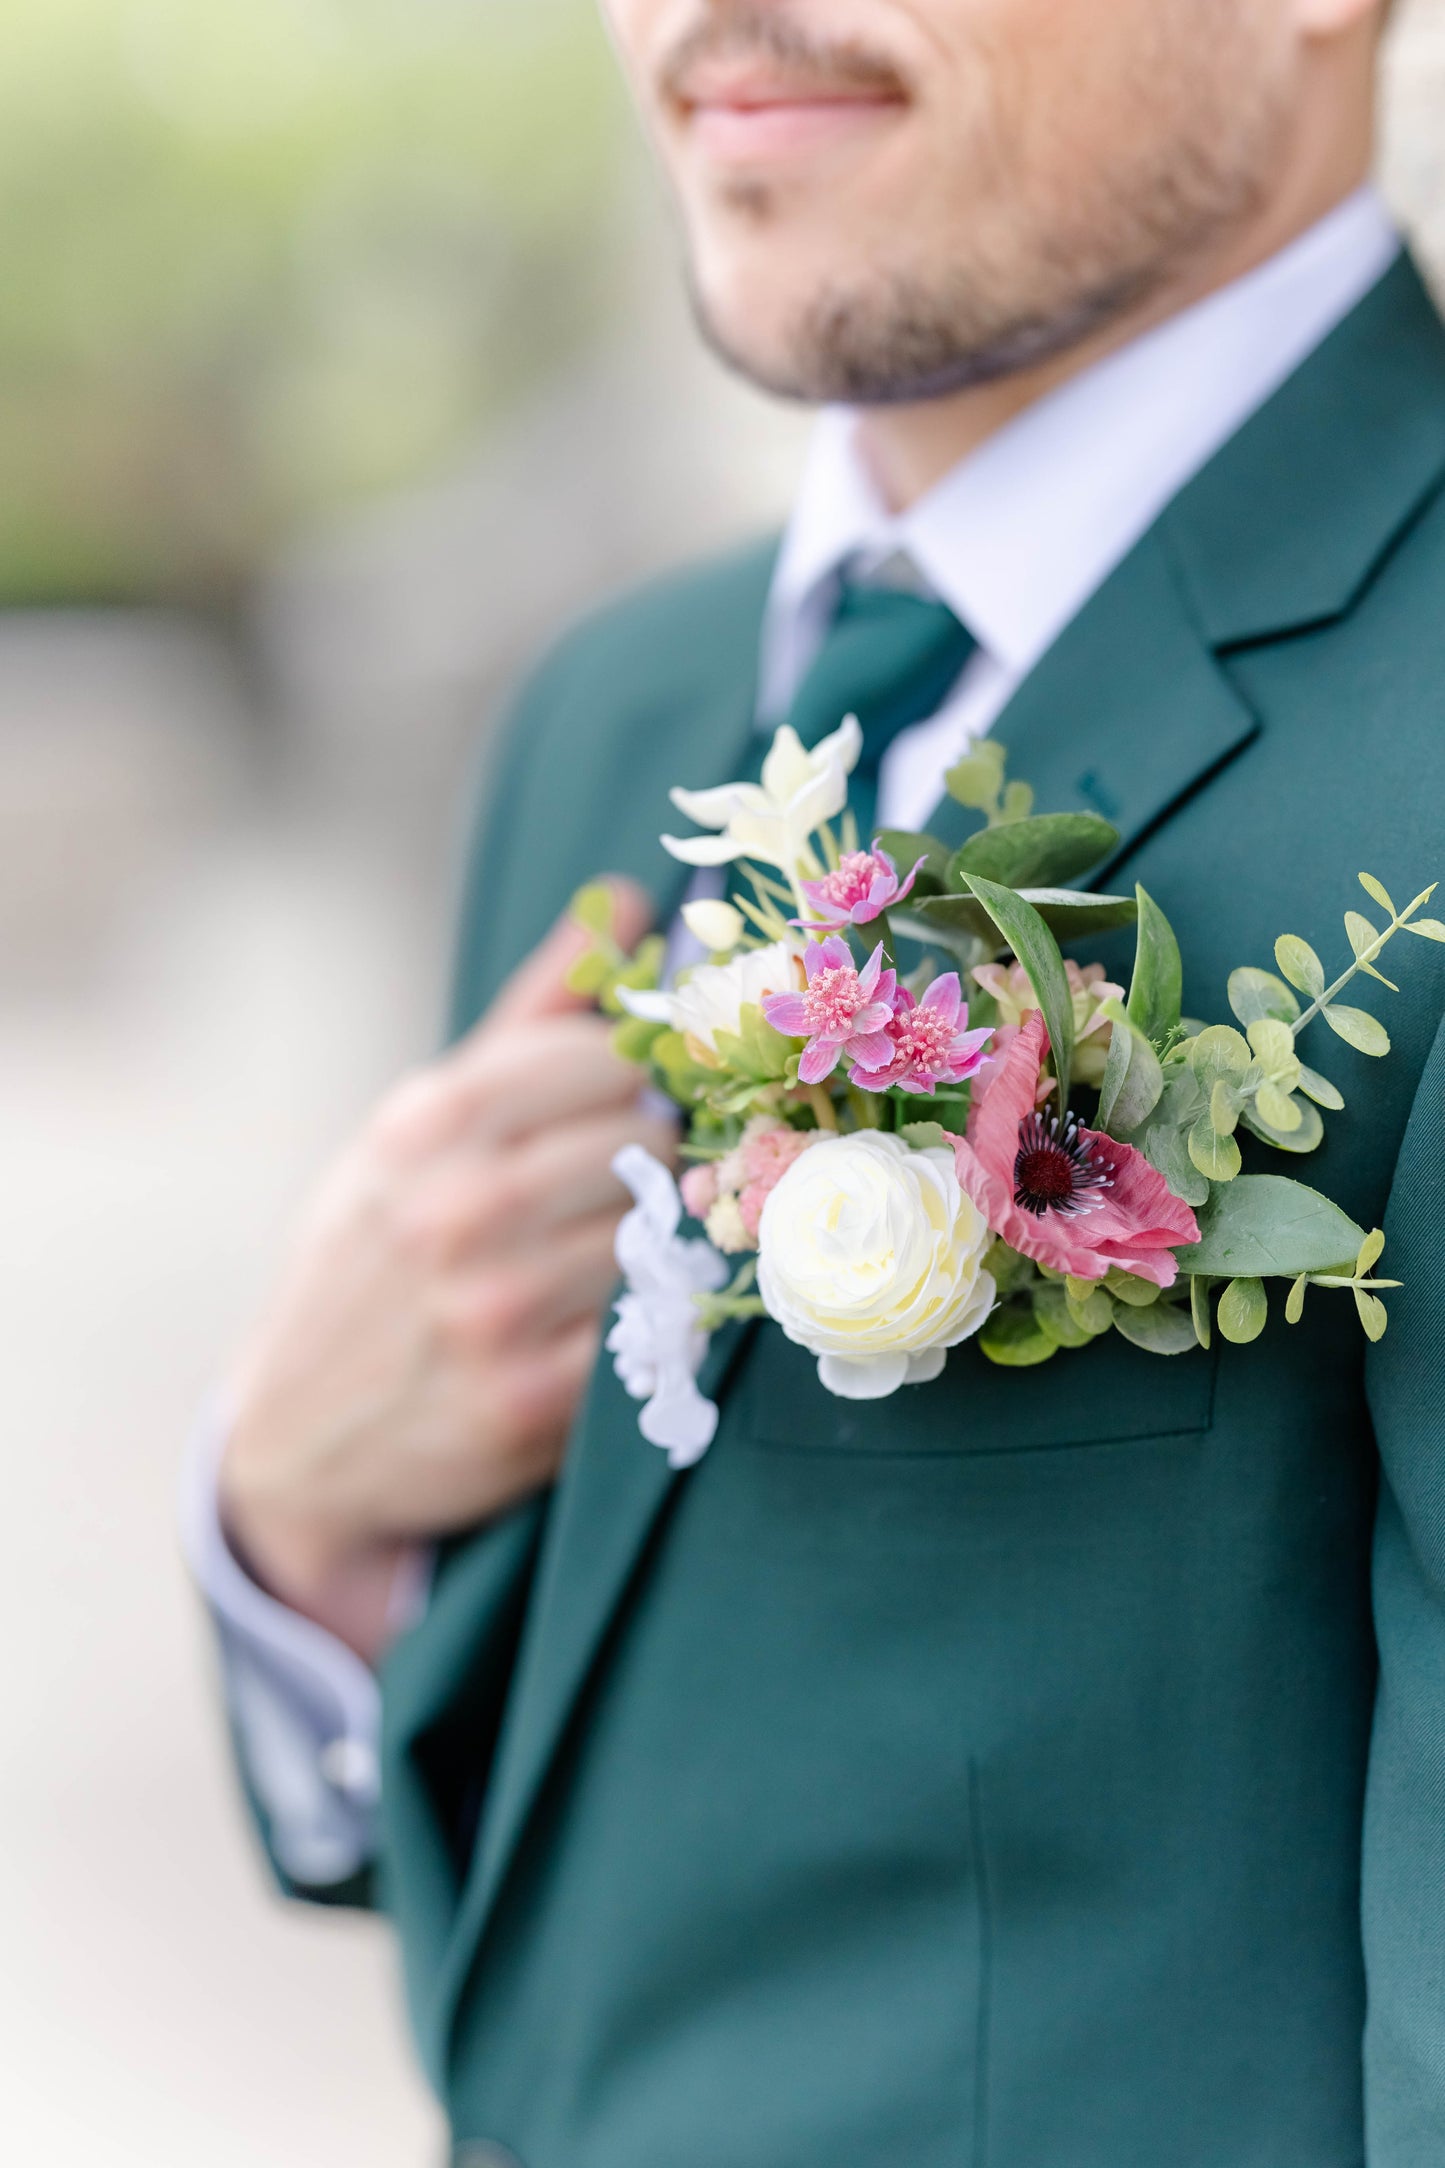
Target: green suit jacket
1029, 1773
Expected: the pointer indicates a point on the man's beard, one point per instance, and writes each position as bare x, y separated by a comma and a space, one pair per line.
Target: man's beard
1023, 288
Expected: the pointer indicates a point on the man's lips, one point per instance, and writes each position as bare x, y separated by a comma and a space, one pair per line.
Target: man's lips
744, 117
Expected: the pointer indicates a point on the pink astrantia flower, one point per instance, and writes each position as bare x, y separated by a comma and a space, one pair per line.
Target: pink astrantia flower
862, 884
728, 1194
1013, 990
841, 1012
1069, 1197
930, 1040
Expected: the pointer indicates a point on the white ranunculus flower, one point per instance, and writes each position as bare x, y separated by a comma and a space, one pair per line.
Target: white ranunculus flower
712, 997
870, 1256
771, 821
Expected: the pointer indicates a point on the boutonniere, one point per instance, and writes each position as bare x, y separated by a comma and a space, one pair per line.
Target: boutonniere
890, 1153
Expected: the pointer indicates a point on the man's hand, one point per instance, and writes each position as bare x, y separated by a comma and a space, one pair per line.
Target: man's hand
440, 1315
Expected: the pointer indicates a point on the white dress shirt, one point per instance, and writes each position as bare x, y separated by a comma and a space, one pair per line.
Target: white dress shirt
1015, 539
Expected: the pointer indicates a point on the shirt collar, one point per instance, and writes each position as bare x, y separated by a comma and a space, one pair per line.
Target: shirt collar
1018, 536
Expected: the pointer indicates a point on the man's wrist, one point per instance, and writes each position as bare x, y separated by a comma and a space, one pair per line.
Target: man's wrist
346, 1586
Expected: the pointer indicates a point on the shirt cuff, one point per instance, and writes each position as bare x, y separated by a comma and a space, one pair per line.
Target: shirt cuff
305, 1709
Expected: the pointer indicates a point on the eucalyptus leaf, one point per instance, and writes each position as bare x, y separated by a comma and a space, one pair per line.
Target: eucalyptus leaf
1300, 965
1358, 1029
1037, 950
1277, 1110
922, 1136
1050, 848
977, 779
1265, 1224
1224, 1108
1378, 892
1216, 1157
1361, 935
1319, 1088
1018, 801
1128, 1288
1166, 1329
1243, 1311
1217, 1052
1306, 1136
1156, 992
1371, 1251
1294, 1308
1054, 1316
594, 907
1431, 928
1257, 995
1373, 1314
1199, 1308
1013, 1337
1092, 1310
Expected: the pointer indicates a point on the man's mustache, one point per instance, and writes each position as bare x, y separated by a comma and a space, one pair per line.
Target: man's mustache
751, 35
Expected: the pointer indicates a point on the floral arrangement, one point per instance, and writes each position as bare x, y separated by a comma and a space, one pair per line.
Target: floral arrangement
889, 1157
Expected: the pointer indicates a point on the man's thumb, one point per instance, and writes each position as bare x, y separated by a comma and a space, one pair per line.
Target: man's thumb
538, 986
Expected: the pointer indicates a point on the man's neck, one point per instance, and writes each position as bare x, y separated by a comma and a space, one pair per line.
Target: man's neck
908, 449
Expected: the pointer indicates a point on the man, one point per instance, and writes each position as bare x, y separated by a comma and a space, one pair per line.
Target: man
1009, 1782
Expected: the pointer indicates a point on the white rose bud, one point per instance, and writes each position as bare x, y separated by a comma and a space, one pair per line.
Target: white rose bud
719, 926
870, 1256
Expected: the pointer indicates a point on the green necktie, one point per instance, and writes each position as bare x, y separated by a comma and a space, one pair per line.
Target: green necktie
889, 657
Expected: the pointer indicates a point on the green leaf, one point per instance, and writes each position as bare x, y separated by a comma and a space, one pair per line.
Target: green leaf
1199, 1308
1266, 1223
1052, 848
1319, 1088
1054, 1316
592, 907
1070, 915
1431, 928
1300, 965
1216, 1157
1256, 995
1133, 1079
1014, 1338
632, 1039
755, 1050
1306, 1136
1219, 1051
1377, 891
1156, 991
1373, 1314
922, 1136
1018, 801
1165, 1146
1127, 1287
1358, 1029
1224, 1108
1272, 1044
1275, 1109
1361, 935
1038, 952
1371, 1251
1166, 1329
1093, 1312
905, 848
1243, 1311
1294, 1308
589, 974
977, 779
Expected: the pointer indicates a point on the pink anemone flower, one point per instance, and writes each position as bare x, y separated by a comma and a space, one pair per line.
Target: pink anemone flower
862, 884
841, 1012
1069, 1197
930, 1041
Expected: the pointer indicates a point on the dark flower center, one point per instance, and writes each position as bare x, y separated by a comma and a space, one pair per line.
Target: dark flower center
1054, 1170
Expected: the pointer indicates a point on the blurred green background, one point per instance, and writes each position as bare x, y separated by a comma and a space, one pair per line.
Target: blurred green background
266, 259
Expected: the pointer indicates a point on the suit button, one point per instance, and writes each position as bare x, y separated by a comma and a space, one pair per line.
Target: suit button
481, 2153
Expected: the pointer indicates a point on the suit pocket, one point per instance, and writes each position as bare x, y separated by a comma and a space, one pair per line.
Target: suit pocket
1108, 1393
